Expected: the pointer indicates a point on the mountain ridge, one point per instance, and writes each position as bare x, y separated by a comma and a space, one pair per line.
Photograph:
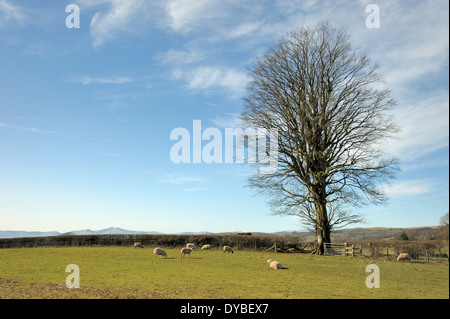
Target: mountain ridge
343, 234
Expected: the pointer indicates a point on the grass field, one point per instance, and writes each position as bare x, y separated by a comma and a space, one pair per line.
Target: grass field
125, 272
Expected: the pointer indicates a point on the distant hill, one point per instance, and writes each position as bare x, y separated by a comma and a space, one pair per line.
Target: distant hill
111, 231
106, 231
382, 233
350, 234
196, 233
375, 233
19, 233
359, 234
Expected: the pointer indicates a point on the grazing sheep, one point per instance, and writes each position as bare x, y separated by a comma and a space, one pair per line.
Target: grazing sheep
206, 247
190, 245
403, 257
138, 245
159, 251
227, 249
185, 251
274, 264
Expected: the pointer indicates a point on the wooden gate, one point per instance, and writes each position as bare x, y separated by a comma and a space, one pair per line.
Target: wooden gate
345, 249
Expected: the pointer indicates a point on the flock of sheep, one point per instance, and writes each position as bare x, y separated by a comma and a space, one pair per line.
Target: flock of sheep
272, 263
190, 247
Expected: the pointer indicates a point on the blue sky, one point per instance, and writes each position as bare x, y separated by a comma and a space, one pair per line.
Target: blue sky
86, 113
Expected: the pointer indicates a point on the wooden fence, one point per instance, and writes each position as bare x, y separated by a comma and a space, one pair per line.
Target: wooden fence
345, 249
390, 249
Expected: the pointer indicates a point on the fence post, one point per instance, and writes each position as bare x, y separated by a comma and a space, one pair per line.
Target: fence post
345, 249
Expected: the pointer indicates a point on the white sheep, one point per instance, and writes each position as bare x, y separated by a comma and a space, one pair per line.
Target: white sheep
159, 251
138, 245
227, 249
274, 264
185, 251
190, 245
403, 257
206, 247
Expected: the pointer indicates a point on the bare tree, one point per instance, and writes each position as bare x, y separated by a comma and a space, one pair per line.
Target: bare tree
331, 111
443, 227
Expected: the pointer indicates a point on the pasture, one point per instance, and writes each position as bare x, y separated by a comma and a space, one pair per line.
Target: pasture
126, 272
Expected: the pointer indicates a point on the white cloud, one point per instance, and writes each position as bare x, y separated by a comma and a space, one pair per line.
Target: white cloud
411, 44
212, 78
27, 129
245, 29
435, 162
184, 15
412, 41
216, 21
424, 127
34, 49
179, 179
188, 183
104, 80
116, 100
181, 57
410, 188
231, 120
9, 11
122, 16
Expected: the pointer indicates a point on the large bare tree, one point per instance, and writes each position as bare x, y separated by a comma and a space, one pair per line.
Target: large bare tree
331, 110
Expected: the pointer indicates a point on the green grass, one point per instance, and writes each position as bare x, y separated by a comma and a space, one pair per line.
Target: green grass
125, 272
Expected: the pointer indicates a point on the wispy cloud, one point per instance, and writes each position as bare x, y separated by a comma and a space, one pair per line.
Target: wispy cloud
108, 154
117, 100
411, 44
179, 179
103, 80
122, 16
184, 15
34, 49
245, 29
424, 127
26, 129
10, 11
210, 78
178, 57
410, 188
195, 189
230, 120
413, 40
187, 183
436, 161
42, 131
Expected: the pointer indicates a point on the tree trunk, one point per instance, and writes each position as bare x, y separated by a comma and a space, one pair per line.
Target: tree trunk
323, 236
322, 227
320, 243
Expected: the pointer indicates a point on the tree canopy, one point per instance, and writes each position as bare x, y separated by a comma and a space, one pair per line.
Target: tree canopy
331, 111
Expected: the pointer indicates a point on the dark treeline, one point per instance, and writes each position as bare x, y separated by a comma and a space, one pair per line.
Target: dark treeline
165, 241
